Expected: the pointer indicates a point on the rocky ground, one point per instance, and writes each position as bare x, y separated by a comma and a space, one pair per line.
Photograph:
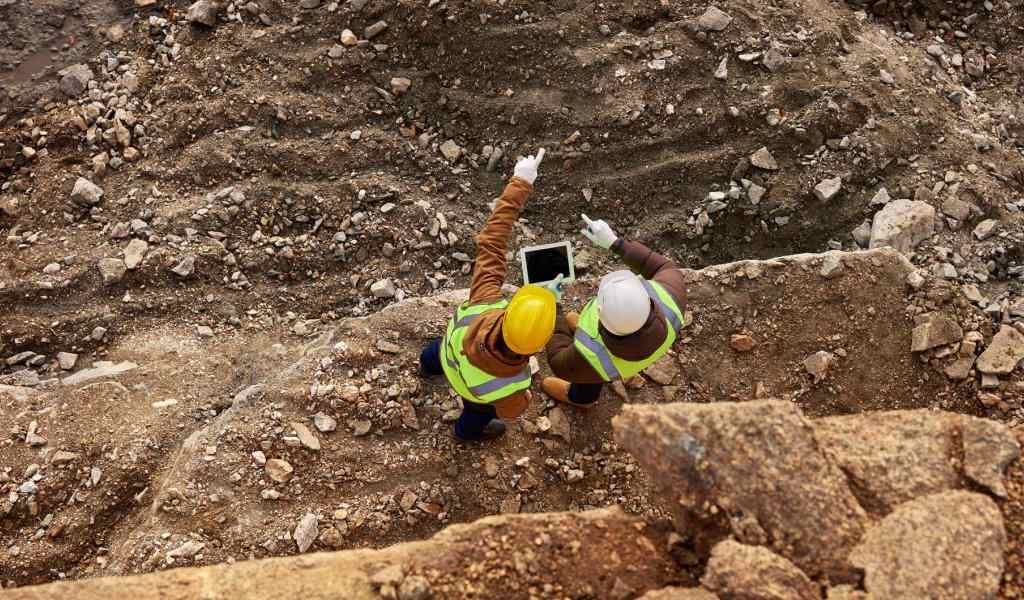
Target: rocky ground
199, 203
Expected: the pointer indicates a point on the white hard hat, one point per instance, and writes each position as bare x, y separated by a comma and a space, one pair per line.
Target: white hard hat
622, 302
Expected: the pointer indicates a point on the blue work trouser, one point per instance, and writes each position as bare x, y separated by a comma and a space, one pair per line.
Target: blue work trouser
474, 417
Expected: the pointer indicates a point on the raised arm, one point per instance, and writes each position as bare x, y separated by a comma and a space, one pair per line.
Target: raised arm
492, 241
642, 260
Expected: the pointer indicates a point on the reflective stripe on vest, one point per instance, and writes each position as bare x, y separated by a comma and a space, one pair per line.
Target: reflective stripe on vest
589, 344
469, 381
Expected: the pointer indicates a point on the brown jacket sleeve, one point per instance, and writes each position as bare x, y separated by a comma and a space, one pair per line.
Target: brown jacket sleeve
654, 267
492, 242
563, 358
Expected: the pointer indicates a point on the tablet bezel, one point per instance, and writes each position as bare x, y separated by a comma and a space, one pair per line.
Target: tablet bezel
567, 278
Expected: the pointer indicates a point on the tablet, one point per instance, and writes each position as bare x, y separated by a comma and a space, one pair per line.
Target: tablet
542, 264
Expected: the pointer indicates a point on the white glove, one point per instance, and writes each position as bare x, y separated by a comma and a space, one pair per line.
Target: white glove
526, 167
555, 287
599, 233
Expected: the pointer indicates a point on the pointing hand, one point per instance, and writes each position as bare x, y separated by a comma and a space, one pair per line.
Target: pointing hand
526, 167
598, 232
555, 287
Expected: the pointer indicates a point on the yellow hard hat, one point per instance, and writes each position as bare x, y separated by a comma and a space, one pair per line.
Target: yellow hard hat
529, 320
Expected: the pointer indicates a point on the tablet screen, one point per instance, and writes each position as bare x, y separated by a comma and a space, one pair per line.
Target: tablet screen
545, 264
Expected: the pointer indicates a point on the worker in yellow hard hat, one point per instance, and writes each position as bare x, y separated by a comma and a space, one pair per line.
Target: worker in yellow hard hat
485, 352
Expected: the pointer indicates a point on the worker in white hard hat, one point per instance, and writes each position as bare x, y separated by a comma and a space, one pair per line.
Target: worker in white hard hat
633, 322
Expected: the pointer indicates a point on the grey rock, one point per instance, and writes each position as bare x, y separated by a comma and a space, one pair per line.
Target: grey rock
774, 60
862, 234
305, 532
756, 193
819, 364
86, 193
74, 80
204, 331
19, 358
763, 159
985, 229
946, 545
1004, 353
63, 457
134, 252
935, 330
187, 550
112, 270
755, 573
324, 423
385, 288
99, 370
451, 150
956, 209
374, 30
663, 371
185, 267
831, 265
781, 491
722, 71
827, 189
881, 197
714, 19
203, 12
360, 427
306, 437
902, 224
67, 360
400, 85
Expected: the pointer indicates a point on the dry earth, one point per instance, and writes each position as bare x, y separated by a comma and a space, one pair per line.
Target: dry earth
296, 171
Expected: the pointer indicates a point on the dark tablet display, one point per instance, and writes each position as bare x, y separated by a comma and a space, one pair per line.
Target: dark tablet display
546, 264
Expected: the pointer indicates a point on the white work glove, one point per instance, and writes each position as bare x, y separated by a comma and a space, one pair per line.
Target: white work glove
555, 287
598, 232
526, 167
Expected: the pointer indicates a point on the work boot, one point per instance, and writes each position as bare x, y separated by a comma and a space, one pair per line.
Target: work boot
572, 318
494, 430
558, 390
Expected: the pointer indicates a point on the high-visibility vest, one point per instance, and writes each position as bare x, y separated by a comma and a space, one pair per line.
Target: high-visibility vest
610, 367
468, 380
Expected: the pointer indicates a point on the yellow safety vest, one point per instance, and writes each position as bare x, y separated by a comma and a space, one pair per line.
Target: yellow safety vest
610, 367
468, 380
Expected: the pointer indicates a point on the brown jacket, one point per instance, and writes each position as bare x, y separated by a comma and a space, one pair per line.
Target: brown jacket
483, 343
566, 362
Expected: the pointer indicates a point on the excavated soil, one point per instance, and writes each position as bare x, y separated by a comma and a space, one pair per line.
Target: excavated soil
343, 184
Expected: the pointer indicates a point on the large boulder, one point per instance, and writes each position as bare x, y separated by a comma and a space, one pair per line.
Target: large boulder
892, 457
902, 224
740, 572
1004, 353
757, 464
944, 546
988, 447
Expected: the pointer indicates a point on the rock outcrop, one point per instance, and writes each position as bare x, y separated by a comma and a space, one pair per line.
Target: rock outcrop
744, 572
456, 563
802, 490
758, 464
947, 545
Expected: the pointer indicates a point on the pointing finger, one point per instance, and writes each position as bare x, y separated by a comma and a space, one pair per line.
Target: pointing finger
587, 220
540, 156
